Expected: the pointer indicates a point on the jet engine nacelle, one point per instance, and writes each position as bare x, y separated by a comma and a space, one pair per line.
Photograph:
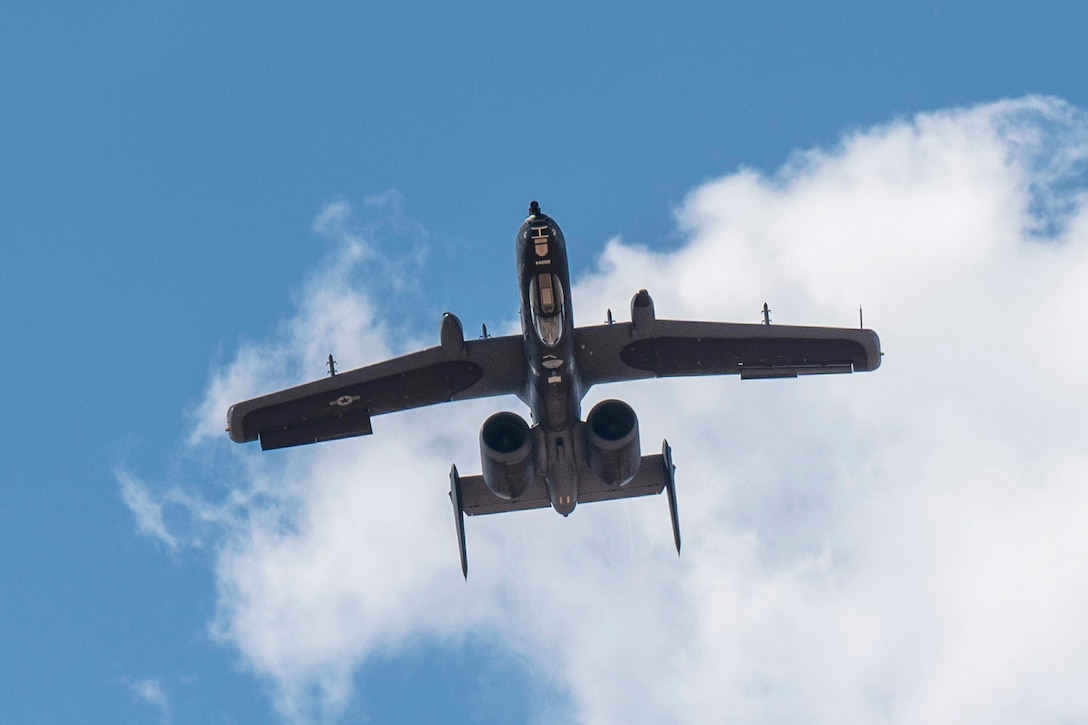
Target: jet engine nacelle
612, 446
506, 455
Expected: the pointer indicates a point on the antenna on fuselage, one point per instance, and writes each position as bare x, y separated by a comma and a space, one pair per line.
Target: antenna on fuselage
766, 314
609, 320
483, 331
332, 365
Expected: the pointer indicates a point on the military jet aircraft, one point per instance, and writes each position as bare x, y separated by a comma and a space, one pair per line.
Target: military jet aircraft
561, 460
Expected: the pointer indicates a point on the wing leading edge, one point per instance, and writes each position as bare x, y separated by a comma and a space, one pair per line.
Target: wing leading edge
341, 406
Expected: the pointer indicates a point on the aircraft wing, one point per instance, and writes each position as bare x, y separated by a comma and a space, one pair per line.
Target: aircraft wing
341, 406
671, 348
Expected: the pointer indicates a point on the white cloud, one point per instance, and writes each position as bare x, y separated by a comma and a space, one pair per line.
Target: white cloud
902, 546
146, 509
151, 692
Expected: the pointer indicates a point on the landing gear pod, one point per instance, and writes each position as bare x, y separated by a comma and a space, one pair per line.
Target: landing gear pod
642, 312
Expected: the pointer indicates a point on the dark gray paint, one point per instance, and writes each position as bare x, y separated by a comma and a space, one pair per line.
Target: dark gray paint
550, 367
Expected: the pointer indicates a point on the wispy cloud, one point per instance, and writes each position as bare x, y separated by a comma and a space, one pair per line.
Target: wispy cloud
904, 546
145, 508
151, 692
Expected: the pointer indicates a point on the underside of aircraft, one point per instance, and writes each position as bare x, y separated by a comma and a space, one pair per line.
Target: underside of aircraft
559, 460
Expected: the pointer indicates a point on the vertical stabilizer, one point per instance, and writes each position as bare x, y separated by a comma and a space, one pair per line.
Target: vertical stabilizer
670, 491
458, 517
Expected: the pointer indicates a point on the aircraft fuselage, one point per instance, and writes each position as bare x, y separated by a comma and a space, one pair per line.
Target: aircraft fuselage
547, 323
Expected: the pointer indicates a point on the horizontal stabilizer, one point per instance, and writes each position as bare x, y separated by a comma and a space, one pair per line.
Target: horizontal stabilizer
477, 499
649, 481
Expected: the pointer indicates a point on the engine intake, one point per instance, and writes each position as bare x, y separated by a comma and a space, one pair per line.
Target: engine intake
612, 445
506, 455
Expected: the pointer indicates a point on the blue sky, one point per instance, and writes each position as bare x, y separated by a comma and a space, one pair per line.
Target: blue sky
199, 201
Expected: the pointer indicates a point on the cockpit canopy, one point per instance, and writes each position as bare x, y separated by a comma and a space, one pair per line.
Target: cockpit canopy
546, 296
